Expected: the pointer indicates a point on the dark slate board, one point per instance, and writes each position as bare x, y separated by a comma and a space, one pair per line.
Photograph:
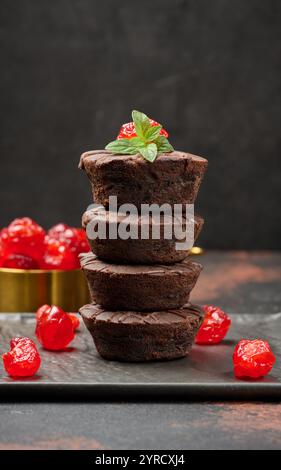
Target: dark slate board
206, 374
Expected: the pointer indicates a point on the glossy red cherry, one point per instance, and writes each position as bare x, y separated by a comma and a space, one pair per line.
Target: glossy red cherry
23, 359
77, 240
215, 326
58, 255
252, 358
43, 309
2, 251
47, 308
25, 237
75, 320
74, 237
54, 329
57, 230
128, 130
18, 261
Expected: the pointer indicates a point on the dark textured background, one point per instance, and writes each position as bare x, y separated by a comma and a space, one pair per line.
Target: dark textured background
71, 71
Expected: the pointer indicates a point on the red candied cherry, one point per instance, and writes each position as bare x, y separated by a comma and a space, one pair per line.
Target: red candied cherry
57, 230
214, 327
23, 359
54, 329
128, 130
58, 255
252, 358
75, 237
77, 240
25, 237
18, 261
2, 251
43, 309
75, 321
47, 308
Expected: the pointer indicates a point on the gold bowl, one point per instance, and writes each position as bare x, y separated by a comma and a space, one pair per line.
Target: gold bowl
24, 290
196, 250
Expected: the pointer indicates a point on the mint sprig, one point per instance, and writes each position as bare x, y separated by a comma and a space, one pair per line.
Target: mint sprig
148, 141
142, 123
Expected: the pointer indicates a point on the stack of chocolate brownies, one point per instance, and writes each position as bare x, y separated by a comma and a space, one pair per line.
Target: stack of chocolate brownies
140, 288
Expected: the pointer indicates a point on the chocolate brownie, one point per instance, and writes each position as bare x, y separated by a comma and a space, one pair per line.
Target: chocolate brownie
138, 250
137, 336
173, 178
139, 287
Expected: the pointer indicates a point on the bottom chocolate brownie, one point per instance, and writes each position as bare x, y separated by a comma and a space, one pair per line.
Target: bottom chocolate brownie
139, 336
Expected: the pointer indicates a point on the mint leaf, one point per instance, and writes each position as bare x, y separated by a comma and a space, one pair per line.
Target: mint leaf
148, 141
152, 133
149, 152
163, 145
126, 146
137, 142
141, 122
122, 146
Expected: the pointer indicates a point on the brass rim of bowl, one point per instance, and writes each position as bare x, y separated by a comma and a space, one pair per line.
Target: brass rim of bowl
34, 271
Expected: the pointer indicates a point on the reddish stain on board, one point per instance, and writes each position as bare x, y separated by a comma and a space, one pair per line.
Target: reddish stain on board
64, 443
249, 417
227, 276
237, 419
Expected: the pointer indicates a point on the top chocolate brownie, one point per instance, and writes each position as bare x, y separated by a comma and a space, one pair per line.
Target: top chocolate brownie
173, 178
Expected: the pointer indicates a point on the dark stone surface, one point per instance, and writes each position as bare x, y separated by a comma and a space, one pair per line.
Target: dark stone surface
205, 374
240, 281
210, 71
170, 424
